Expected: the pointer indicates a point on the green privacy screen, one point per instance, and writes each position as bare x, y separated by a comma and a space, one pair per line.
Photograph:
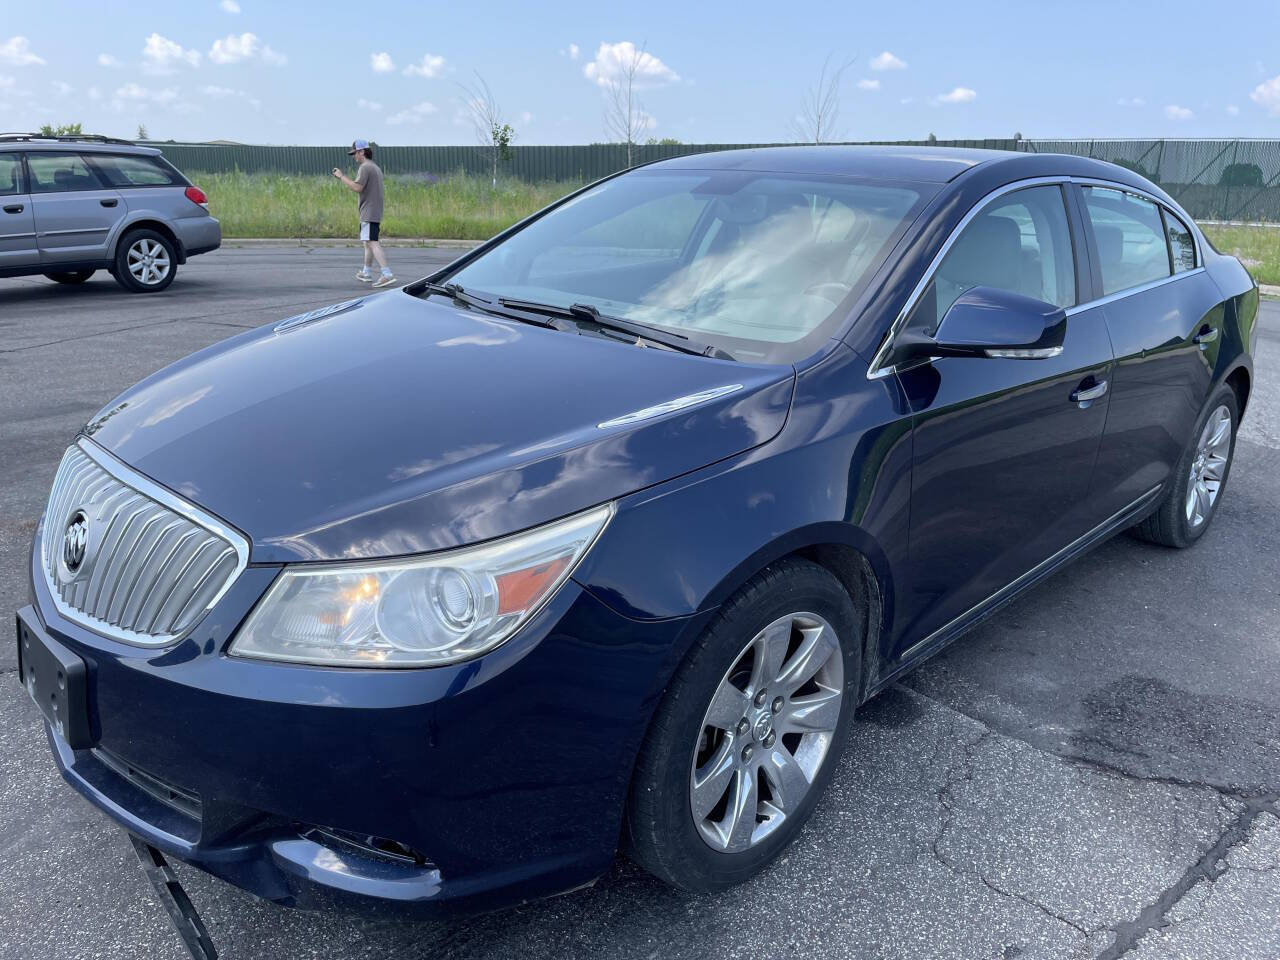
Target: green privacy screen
1212, 179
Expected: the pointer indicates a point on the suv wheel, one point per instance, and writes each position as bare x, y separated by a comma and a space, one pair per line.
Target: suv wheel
74, 276
749, 731
146, 261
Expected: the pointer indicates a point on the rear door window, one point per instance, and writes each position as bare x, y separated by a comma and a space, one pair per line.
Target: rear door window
1182, 248
60, 173
11, 180
1128, 231
134, 171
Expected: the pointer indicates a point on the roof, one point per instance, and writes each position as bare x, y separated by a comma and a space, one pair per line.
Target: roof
71, 144
926, 164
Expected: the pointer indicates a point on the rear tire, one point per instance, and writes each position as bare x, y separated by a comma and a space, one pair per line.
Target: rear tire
802, 622
1184, 513
72, 277
146, 261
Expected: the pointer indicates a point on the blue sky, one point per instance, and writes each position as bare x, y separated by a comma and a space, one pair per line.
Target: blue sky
321, 73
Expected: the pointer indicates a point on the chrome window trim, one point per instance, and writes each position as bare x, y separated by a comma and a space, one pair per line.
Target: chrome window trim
876, 371
144, 485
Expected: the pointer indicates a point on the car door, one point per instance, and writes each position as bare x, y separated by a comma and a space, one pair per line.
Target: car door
1003, 448
75, 214
17, 225
1165, 319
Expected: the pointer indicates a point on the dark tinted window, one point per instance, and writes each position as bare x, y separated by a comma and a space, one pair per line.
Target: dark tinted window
1181, 246
134, 171
1130, 237
1020, 242
60, 173
10, 174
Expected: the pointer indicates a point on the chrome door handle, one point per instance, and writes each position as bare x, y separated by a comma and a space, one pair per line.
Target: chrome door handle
14, 208
1205, 337
1085, 395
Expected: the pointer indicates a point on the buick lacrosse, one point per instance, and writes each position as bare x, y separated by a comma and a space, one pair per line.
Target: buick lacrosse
595, 539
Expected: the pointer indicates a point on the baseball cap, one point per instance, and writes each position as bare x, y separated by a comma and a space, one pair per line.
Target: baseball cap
358, 145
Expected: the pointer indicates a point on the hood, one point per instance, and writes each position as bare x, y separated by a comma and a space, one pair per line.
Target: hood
402, 425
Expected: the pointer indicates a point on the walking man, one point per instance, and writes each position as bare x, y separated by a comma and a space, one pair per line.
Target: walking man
368, 183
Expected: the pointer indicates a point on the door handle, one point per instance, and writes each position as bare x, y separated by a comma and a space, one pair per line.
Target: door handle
1205, 337
108, 203
1085, 395
14, 208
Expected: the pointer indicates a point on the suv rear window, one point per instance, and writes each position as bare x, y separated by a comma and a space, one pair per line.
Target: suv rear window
60, 173
135, 171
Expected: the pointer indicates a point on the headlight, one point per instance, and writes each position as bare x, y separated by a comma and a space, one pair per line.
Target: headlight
416, 613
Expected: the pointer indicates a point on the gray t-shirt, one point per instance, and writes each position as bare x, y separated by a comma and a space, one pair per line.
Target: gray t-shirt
369, 176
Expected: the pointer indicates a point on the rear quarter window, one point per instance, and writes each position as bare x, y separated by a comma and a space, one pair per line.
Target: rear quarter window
135, 171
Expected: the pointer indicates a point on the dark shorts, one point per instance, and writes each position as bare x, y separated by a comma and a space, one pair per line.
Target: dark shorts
369, 230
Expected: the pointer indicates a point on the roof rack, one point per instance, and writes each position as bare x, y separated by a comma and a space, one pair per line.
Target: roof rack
72, 138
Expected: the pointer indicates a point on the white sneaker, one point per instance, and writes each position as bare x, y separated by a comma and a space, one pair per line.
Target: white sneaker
385, 280
364, 277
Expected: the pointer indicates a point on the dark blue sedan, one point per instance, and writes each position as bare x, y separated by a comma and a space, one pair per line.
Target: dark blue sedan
595, 540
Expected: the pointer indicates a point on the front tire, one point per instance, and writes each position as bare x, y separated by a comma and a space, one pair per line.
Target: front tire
146, 261
1199, 479
749, 732
72, 277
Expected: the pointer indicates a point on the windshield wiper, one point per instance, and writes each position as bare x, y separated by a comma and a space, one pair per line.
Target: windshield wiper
455, 292
641, 331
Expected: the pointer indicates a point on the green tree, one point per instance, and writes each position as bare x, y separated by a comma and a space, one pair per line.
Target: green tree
142, 133
62, 130
662, 142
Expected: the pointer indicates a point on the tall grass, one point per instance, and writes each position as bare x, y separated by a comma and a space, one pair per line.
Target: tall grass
454, 206
1258, 247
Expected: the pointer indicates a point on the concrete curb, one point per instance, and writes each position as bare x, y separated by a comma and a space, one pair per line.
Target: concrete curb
1269, 290
344, 242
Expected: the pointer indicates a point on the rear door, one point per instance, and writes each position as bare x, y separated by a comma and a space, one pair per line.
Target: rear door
75, 212
17, 225
1165, 319
1003, 448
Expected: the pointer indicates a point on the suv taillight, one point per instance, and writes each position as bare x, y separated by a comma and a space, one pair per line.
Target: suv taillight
196, 195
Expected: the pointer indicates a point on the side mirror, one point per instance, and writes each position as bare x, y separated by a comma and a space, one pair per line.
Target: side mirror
987, 322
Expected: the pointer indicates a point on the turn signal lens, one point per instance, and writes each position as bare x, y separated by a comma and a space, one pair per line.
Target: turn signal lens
433, 610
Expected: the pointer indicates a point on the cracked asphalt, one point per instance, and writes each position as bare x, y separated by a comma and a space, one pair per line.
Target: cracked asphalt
1093, 773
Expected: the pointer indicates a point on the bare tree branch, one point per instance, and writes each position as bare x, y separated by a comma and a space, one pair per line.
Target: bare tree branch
820, 107
486, 118
624, 116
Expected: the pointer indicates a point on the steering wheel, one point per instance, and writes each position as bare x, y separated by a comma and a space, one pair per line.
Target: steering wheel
832, 290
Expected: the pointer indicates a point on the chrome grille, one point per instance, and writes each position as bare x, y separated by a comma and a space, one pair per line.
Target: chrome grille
152, 563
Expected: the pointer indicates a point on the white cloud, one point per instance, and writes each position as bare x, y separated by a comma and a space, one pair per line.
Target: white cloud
17, 51
868, 84
210, 90
139, 94
1267, 96
430, 66
958, 95
371, 105
887, 61
414, 114
1131, 102
63, 88
1175, 112
906, 100
233, 48
230, 6
160, 55
1233, 110
381, 62
107, 60
573, 51
613, 60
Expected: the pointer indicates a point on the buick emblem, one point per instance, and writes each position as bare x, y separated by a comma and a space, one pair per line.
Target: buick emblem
75, 542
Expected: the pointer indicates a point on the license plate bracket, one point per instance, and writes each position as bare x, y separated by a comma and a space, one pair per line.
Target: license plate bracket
56, 679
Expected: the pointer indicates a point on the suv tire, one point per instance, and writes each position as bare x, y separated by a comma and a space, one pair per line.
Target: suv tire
146, 261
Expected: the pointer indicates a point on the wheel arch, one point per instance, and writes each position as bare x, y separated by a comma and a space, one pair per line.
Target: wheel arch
1241, 382
149, 223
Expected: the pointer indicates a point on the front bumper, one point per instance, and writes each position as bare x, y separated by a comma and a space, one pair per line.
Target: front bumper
494, 781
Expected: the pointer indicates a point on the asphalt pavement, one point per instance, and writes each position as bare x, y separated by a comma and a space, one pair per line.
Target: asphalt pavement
1094, 772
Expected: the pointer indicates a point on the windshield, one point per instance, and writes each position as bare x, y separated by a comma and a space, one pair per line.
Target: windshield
761, 265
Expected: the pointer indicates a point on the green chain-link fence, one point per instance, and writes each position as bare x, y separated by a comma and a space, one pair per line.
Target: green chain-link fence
1212, 179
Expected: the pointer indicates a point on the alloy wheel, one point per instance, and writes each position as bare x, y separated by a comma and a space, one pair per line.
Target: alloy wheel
148, 261
1209, 467
766, 732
